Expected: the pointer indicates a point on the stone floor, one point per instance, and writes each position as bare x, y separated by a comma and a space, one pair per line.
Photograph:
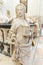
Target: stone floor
5, 60
38, 56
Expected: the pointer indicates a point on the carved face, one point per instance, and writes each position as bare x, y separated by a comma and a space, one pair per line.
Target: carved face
20, 11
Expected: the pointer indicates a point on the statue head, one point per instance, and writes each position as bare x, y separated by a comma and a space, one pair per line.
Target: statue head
20, 10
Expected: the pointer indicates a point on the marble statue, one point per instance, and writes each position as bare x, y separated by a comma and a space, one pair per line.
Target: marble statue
19, 35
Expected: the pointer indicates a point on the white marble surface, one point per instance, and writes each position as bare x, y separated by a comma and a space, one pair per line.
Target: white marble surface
5, 60
38, 59
38, 56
